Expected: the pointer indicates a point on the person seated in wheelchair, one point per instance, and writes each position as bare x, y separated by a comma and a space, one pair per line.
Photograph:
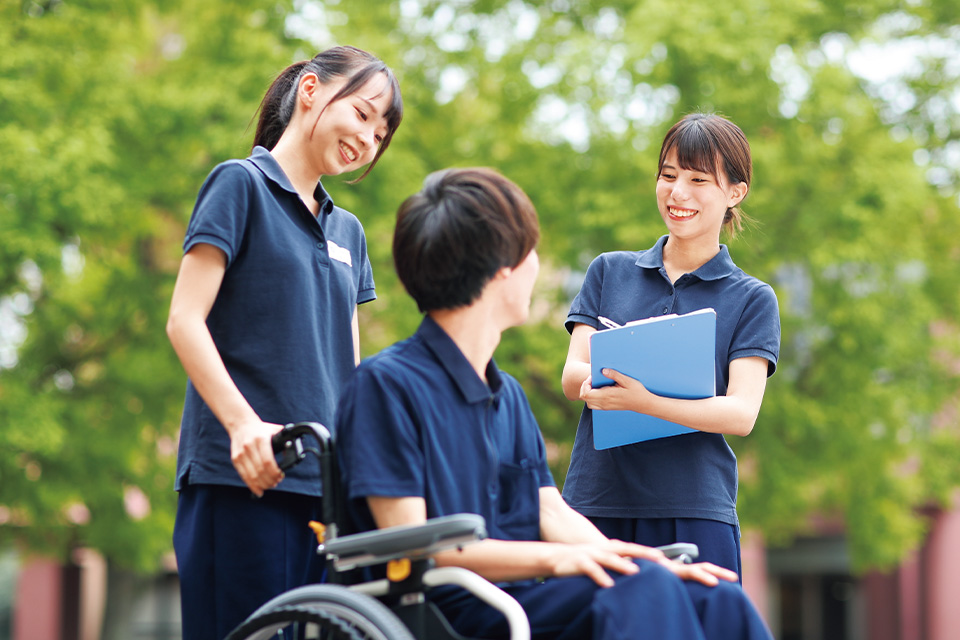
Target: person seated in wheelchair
431, 427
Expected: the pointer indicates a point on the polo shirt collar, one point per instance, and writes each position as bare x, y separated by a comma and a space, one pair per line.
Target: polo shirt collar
448, 354
269, 166
719, 266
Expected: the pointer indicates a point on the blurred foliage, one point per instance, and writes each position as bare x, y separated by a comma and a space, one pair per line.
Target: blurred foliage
112, 113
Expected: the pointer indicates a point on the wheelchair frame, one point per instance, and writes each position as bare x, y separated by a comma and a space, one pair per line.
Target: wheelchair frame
358, 612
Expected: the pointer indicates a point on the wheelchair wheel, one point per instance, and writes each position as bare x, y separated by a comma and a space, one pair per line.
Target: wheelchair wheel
322, 612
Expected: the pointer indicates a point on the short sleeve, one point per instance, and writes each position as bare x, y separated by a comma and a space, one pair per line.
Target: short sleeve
758, 331
220, 214
374, 424
585, 308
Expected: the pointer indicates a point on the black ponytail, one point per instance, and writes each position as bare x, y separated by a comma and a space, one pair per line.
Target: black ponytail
276, 108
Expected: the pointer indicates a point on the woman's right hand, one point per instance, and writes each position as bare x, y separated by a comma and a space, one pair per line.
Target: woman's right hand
252, 455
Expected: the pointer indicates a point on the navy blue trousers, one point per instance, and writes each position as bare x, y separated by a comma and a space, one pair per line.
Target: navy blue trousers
235, 552
719, 542
653, 603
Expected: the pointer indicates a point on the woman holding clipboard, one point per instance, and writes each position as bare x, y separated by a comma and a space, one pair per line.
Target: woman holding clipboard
680, 488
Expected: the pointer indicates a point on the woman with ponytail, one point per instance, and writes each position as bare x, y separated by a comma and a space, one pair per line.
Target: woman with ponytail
263, 319
681, 488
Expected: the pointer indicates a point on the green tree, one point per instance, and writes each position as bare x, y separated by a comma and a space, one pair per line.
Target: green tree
112, 114
571, 99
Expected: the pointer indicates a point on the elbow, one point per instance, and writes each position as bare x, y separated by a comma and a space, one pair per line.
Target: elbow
570, 385
175, 325
571, 390
744, 426
171, 329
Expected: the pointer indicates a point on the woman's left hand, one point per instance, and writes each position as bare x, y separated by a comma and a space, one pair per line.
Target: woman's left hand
626, 394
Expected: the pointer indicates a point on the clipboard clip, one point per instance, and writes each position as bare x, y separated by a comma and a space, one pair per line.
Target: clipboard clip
608, 323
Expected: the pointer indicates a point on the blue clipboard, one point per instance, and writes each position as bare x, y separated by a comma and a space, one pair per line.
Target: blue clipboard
671, 355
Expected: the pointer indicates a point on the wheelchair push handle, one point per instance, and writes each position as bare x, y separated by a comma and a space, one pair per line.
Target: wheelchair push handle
292, 443
684, 552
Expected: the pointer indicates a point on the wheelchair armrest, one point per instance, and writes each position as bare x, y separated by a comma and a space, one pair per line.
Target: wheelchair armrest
416, 541
685, 552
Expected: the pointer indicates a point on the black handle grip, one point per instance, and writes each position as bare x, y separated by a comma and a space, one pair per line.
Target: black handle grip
289, 446
293, 443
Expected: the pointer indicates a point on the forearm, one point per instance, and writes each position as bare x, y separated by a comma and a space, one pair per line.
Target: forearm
502, 560
198, 354
720, 414
495, 560
560, 523
576, 368
509, 560
734, 413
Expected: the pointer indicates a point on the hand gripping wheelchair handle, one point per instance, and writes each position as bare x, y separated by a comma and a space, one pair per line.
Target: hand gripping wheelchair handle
292, 444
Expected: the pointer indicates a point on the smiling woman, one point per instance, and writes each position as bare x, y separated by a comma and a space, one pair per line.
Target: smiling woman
263, 319
681, 488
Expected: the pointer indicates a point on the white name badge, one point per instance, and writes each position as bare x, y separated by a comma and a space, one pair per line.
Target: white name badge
338, 253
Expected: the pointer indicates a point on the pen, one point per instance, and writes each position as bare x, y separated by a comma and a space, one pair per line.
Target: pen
608, 323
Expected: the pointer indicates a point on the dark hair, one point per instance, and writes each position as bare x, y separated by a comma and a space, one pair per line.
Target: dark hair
712, 144
454, 235
358, 66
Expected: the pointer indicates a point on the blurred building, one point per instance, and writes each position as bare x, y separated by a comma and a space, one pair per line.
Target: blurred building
87, 599
808, 592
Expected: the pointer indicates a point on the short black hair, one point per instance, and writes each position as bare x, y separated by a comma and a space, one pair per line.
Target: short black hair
454, 235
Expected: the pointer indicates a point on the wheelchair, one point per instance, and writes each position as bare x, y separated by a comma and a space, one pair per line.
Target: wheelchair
392, 608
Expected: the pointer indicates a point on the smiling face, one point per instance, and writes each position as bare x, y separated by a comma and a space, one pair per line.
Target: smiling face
693, 203
345, 134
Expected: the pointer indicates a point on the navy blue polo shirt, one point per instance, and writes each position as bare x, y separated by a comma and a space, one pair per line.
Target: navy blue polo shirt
417, 421
687, 476
282, 318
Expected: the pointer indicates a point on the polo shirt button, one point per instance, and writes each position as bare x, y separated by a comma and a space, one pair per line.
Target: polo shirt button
320, 245
665, 309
